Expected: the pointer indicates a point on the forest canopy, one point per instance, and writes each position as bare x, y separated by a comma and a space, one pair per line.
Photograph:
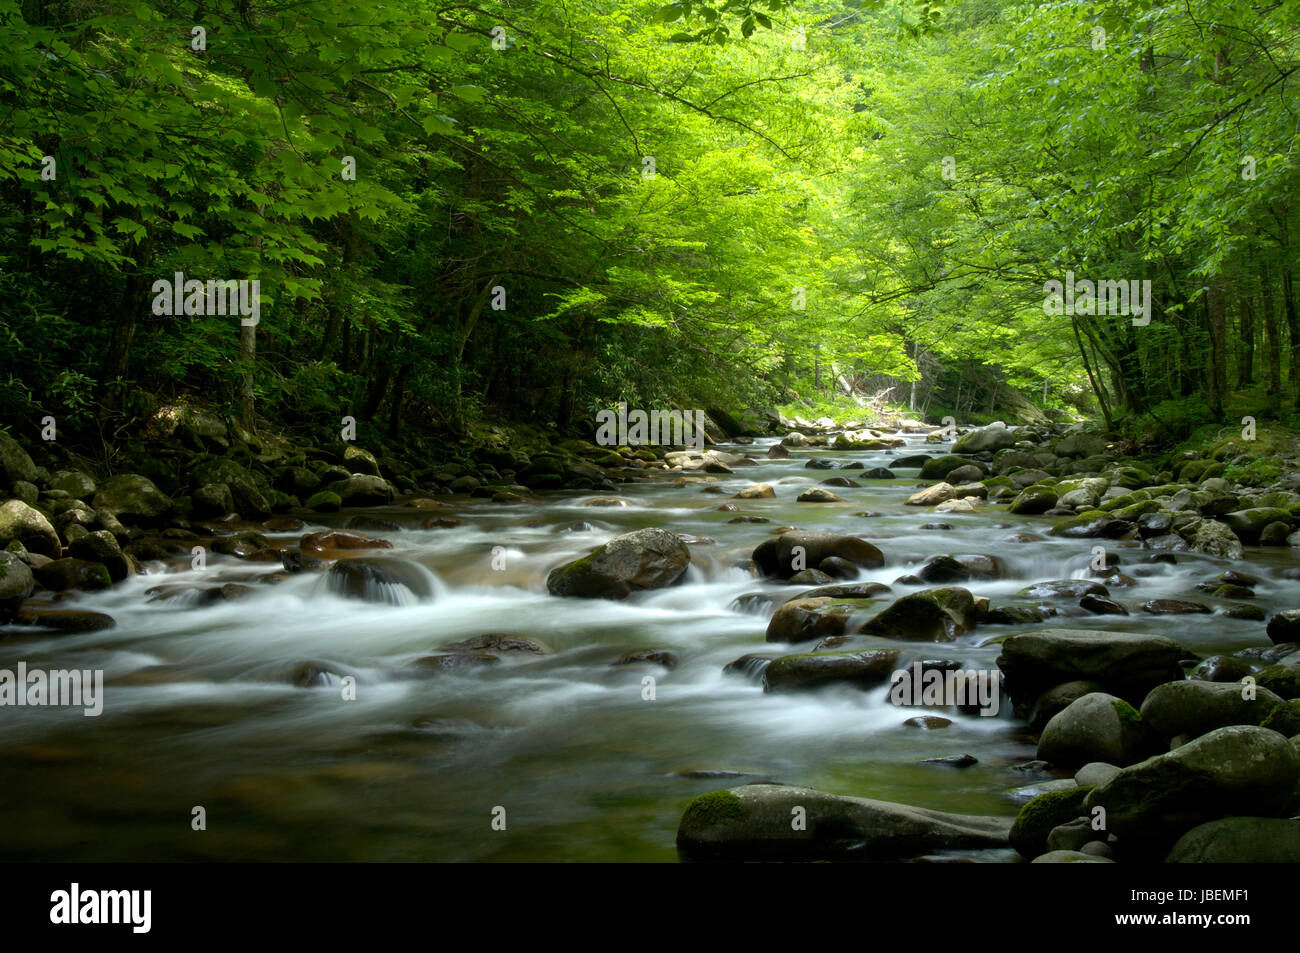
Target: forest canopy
534, 210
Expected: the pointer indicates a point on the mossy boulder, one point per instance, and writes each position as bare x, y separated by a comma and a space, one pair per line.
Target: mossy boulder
1238, 770
1095, 727
1249, 524
633, 562
16, 584
1042, 815
1034, 499
1240, 840
28, 525
1125, 664
1193, 708
133, 499
932, 615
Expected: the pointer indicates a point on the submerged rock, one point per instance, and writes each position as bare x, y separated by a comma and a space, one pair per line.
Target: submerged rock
762, 822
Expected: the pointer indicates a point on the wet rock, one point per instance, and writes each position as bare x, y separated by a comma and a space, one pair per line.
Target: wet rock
1249, 524
661, 657
754, 822
778, 452
1033, 500
937, 468
325, 501
813, 670
16, 584
1284, 626
797, 550
818, 495
386, 582
932, 496
751, 666
1239, 770
1125, 664
932, 615
497, 643
333, 542
1042, 815
1240, 840
1282, 678
1215, 539
801, 620
133, 499
633, 562
952, 761
1094, 773
878, 473
1065, 589
927, 722
71, 573
65, 621
1174, 607
456, 662
101, 547
1243, 611
1095, 727
1221, 668
810, 577
1100, 605
362, 490
1194, 708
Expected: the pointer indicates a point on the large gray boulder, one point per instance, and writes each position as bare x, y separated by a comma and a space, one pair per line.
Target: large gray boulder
991, 438
797, 550
132, 498
1193, 708
932, 615
1096, 727
763, 821
644, 559
1239, 770
1240, 840
1127, 664
15, 464
27, 525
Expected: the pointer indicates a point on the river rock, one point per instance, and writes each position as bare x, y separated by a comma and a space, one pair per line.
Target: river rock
1284, 626
75, 483
65, 621
1193, 708
16, 584
796, 550
1126, 664
497, 644
392, 582
101, 547
932, 615
932, 496
644, 559
1096, 727
759, 491
1240, 840
1033, 500
1282, 677
1238, 770
818, 495
27, 525
755, 822
815, 669
363, 490
133, 499
69, 573
1214, 539
1043, 814
801, 620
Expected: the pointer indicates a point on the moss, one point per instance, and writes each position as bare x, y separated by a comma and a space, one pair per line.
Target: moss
1037, 818
1127, 713
1284, 718
716, 807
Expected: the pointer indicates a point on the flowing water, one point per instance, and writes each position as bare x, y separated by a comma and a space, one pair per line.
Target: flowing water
201, 709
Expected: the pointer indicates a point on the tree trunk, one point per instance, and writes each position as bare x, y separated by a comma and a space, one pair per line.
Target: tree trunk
1216, 317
